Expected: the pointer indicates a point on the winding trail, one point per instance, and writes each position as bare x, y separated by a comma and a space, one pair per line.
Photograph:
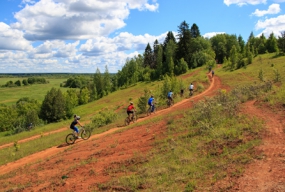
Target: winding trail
43, 155
268, 173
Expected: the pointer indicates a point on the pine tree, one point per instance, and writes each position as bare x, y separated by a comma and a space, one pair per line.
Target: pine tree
99, 84
195, 32
148, 57
271, 44
107, 81
281, 42
184, 43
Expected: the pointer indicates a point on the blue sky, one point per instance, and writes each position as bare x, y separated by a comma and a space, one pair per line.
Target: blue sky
79, 36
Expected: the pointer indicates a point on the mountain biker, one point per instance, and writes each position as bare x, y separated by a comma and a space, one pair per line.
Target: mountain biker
181, 92
191, 88
151, 103
130, 110
74, 123
169, 96
213, 73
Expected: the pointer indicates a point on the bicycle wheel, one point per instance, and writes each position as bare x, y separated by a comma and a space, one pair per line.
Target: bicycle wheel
148, 112
70, 139
85, 134
135, 117
127, 121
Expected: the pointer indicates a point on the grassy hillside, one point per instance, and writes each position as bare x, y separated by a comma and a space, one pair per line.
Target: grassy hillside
199, 146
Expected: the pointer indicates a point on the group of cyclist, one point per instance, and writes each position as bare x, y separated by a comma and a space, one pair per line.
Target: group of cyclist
131, 109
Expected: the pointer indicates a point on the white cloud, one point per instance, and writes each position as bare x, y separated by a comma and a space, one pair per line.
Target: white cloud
71, 36
244, 2
212, 34
273, 9
12, 39
75, 19
275, 25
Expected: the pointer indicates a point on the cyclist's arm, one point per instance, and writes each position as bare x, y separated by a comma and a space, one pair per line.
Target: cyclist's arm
79, 123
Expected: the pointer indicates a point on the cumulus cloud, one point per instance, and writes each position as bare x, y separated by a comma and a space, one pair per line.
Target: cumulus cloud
275, 25
75, 19
59, 56
12, 39
273, 9
244, 2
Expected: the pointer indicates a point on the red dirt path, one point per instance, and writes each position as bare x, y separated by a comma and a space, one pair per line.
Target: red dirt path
97, 159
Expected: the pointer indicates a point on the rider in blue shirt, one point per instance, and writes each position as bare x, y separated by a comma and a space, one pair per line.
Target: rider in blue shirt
151, 102
169, 95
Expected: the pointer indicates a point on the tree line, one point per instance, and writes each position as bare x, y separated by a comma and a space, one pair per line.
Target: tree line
161, 61
28, 81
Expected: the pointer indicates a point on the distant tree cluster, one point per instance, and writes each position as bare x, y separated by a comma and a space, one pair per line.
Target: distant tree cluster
29, 81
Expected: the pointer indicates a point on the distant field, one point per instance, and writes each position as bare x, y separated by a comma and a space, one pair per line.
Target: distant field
10, 95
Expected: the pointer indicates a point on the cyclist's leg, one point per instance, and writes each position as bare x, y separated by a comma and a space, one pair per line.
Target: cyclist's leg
76, 131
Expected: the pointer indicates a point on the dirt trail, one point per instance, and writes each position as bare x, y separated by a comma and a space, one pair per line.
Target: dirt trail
97, 160
268, 173
184, 104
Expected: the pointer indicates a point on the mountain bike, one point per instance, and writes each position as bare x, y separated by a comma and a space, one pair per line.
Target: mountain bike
71, 137
151, 109
134, 118
169, 102
191, 92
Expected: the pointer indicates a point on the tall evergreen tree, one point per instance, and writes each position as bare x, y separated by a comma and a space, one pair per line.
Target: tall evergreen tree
155, 52
233, 58
99, 84
148, 57
107, 81
271, 44
159, 61
169, 36
241, 44
184, 43
261, 44
170, 54
195, 32
281, 42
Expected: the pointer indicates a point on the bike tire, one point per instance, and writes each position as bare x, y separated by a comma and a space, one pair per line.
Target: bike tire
148, 112
70, 139
127, 122
85, 134
135, 118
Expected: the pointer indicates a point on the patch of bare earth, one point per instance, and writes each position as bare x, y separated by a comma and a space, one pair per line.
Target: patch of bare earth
84, 165
266, 173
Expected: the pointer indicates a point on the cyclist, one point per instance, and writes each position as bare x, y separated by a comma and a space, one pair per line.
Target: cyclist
169, 96
130, 110
213, 73
151, 103
74, 123
181, 92
191, 89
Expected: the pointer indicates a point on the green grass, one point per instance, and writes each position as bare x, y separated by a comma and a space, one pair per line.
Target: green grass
10, 95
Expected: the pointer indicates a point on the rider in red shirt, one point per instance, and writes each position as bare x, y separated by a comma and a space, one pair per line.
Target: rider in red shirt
130, 110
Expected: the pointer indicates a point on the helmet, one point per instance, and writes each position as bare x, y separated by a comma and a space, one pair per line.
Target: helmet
151, 96
170, 91
78, 117
131, 103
